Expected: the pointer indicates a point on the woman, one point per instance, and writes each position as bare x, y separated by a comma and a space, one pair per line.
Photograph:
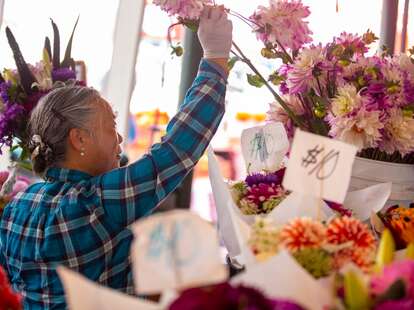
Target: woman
79, 216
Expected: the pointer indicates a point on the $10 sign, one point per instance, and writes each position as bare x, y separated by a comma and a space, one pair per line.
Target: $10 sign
319, 166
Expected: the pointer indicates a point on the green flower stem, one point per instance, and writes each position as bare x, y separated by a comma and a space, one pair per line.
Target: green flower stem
289, 58
279, 99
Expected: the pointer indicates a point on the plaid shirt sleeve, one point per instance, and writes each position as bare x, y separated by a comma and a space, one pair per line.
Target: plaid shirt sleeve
134, 191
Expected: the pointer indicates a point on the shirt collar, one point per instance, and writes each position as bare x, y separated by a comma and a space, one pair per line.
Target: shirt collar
66, 175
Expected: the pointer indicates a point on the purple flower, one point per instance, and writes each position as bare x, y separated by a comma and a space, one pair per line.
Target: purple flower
268, 178
63, 74
226, 297
32, 100
8, 123
4, 92
339, 208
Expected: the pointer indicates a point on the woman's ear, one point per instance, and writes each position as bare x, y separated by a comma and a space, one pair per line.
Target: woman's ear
77, 139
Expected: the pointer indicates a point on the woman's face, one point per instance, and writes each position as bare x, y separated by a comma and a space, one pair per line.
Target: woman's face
102, 149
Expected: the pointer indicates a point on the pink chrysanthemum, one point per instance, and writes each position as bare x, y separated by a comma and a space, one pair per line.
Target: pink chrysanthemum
303, 233
187, 9
282, 22
353, 42
348, 229
403, 270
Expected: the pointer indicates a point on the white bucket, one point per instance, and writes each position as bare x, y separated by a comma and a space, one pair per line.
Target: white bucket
367, 172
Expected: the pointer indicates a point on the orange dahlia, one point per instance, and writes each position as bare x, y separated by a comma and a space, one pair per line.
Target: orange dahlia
363, 258
350, 230
302, 233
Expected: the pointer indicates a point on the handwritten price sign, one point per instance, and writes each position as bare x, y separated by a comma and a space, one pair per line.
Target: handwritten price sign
264, 147
319, 166
167, 253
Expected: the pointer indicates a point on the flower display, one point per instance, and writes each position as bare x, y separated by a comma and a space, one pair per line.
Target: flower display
227, 297
350, 96
21, 89
259, 193
321, 248
8, 299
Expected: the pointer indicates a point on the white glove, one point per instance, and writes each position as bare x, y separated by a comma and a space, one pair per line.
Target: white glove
215, 33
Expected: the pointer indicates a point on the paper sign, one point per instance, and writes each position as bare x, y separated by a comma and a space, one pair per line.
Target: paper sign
82, 293
319, 166
175, 250
264, 147
293, 282
367, 200
222, 197
298, 205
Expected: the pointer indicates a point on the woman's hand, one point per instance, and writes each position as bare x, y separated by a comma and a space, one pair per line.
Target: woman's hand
215, 34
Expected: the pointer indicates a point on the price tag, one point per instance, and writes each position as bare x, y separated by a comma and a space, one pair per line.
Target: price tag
264, 147
319, 166
174, 251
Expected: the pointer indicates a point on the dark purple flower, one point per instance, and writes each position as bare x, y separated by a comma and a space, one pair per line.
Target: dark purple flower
9, 123
339, 208
63, 74
284, 89
226, 297
32, 100
268, 178
4, 92
403, 304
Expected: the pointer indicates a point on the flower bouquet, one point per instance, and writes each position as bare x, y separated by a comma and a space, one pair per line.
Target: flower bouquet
21, 89
259, 193
320, 248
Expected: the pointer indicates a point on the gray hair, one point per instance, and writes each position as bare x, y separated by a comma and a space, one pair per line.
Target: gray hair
52, 119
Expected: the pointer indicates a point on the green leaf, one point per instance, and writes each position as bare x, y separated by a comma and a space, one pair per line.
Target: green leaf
24, 154
56, 45
47, 47
232, 62
276, 79
25, 165
255, 80
177, 50
356, 292
68, 61
191, 24
386, 250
